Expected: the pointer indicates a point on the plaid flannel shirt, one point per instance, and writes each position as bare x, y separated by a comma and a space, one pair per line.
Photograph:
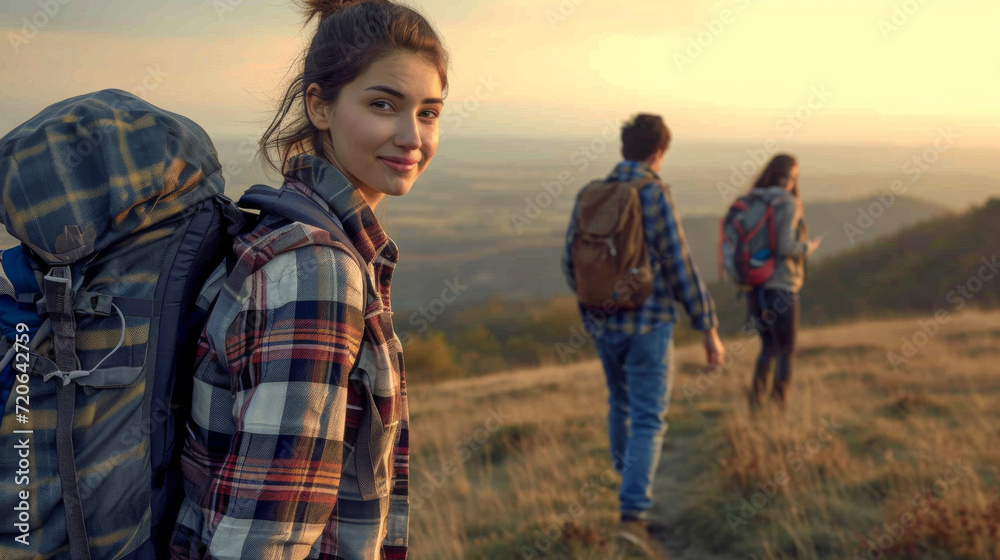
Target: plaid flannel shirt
276, 404
676, 277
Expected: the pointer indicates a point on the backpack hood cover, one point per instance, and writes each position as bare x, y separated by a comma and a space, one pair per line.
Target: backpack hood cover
93, 169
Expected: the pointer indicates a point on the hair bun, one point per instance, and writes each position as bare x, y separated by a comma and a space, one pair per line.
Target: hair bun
324, 8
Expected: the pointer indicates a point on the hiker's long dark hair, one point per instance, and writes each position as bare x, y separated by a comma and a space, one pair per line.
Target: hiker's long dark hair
777, 172
350, 37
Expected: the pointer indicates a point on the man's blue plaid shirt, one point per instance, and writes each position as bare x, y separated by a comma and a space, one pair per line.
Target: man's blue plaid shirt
675, 276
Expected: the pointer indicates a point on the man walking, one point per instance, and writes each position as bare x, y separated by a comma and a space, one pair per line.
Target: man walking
634, 338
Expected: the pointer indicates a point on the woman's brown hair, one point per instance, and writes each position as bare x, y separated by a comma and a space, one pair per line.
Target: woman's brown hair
351, 36
778, 172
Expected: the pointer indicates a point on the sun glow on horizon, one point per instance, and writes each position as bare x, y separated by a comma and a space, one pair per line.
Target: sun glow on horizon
893, 69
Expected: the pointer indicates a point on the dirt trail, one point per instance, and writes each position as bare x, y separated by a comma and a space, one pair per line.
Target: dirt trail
671, 493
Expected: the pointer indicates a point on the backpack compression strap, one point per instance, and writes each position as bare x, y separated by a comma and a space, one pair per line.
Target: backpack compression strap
59, 304
300, 208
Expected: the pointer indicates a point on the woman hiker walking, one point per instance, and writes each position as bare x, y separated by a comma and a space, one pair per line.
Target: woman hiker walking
773, 306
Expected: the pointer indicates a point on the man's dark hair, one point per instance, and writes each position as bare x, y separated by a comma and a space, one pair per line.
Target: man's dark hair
643, 136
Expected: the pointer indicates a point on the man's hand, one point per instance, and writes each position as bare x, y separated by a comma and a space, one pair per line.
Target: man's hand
714, 351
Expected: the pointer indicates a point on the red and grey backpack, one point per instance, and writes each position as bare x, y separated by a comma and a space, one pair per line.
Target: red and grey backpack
748, 241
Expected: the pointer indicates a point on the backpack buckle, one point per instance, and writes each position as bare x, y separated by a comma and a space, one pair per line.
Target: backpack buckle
102, 307
67, 376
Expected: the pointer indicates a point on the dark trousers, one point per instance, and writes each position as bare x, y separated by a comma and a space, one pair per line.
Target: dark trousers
775, 315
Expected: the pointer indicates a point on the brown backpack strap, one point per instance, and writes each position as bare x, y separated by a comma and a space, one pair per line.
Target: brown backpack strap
643, 181
633, 183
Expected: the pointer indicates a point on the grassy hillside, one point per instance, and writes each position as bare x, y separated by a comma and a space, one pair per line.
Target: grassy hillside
916, 269
515, 465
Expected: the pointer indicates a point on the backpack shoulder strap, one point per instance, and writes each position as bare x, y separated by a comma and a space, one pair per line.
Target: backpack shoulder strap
300, 208
774, 200
784, 199
643, 181
634, 184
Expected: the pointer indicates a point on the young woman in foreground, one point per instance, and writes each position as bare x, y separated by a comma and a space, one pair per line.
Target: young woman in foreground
774, 306
290, 453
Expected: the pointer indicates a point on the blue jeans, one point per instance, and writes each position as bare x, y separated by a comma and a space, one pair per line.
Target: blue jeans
639, 372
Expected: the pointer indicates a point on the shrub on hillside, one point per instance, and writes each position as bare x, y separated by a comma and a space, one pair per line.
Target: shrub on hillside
430, 358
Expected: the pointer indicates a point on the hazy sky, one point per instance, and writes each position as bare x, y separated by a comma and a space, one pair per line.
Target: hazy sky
872, 70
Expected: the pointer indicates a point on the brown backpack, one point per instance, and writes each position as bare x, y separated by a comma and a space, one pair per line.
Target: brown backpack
610, 258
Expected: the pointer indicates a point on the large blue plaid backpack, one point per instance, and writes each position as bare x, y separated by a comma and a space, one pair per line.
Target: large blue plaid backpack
120, 211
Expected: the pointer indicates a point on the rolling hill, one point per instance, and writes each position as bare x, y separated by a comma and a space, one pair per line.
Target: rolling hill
918, 269
837, 220
930, 267
528, 266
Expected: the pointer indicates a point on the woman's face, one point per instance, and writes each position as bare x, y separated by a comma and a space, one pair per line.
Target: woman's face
793, 179
382, 130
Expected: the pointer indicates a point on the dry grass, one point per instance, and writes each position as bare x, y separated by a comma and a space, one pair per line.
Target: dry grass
515, 465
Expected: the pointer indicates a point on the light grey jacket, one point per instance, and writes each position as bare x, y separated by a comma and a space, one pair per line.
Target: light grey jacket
792, 240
